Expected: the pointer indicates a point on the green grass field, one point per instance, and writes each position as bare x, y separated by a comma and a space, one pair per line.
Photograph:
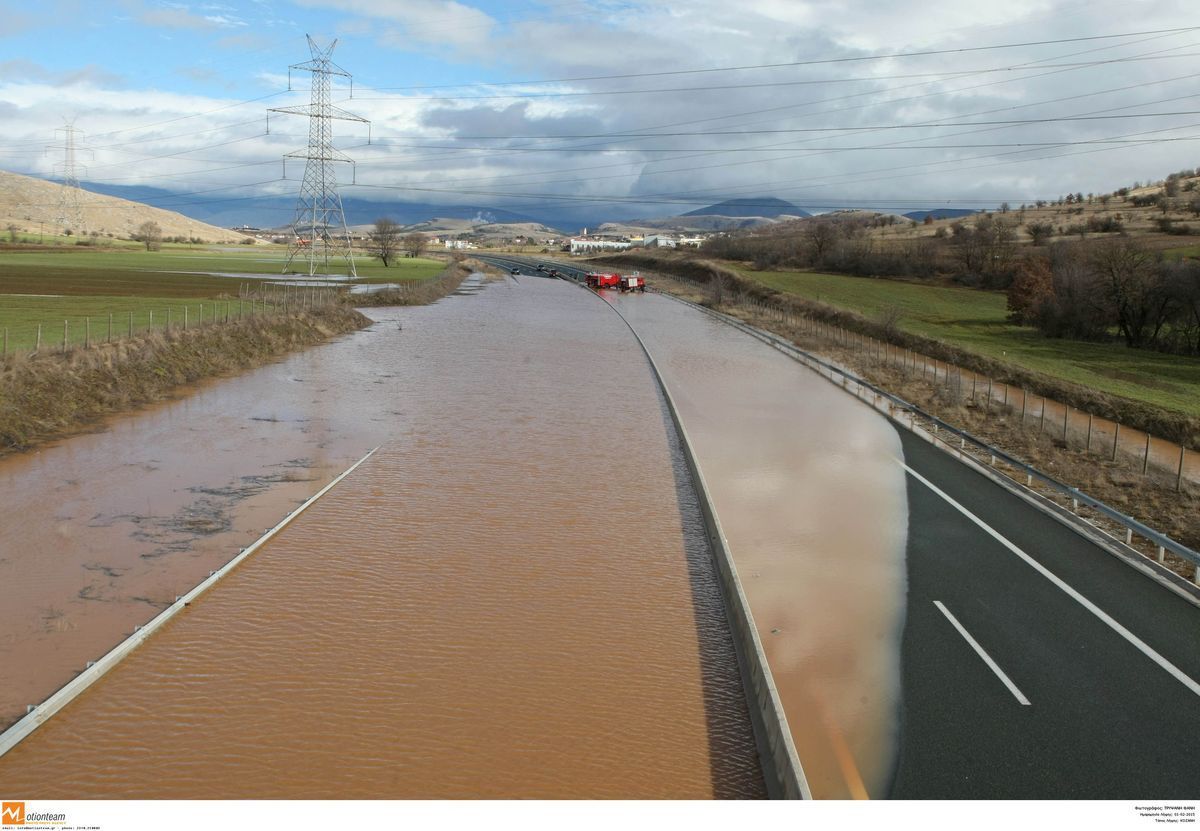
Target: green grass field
976, 321
75, 285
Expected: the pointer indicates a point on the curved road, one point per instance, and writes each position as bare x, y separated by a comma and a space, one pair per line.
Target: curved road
1034, 664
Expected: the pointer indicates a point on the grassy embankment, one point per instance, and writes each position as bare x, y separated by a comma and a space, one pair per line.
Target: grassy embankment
976, 321
55, 393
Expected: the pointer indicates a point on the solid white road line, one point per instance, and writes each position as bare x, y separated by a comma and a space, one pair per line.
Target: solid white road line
987, 659
1141, 645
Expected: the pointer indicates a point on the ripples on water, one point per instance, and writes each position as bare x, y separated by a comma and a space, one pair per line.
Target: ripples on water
513, 597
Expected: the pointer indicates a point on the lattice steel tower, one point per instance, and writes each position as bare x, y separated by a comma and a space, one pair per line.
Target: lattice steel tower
69, 211
319, 228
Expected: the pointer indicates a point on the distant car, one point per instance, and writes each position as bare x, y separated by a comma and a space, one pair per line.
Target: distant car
516, 271
541, 268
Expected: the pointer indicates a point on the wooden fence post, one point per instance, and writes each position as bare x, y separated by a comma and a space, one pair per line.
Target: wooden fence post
1116, 440
1146, 455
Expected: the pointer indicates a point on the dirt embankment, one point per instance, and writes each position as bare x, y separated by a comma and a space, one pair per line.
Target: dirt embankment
722, 284
51, 395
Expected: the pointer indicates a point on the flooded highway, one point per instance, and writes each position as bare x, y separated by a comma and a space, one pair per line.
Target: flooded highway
813, 505
513, 597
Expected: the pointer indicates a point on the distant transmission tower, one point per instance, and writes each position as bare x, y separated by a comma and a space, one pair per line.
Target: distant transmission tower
319, 228
69, 213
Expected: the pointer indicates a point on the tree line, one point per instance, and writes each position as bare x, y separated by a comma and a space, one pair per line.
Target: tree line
1114, 285
1104, 288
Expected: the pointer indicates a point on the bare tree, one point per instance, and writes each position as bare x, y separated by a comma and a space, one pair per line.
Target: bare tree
415, 244
1133, 285
385, 240
1040, 232
819, 236
12, 232
150, 234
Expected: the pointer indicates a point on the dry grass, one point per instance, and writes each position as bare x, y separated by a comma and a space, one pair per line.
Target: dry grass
51, 395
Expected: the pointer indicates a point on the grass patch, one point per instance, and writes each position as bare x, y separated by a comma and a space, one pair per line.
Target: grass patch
1182, 252
975, 321
182, 261
75, 285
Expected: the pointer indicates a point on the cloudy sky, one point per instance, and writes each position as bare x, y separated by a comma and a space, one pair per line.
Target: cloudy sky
616, 108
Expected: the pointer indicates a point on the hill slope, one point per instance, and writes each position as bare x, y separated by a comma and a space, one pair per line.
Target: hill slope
32, 205
753, 206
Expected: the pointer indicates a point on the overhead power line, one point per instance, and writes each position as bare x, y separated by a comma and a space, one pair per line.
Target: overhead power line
813, 62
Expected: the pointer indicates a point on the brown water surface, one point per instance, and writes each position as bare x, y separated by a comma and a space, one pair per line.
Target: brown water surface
812, 501
513, 597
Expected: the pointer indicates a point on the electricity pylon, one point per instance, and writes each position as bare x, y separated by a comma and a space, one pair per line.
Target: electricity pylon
319, 229
69, 212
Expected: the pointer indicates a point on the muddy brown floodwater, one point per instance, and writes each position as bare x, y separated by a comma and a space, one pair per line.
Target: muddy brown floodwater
813, 504
513, 597
100, 532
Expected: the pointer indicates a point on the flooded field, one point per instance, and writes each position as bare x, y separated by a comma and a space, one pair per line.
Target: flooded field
815, 512
513, 597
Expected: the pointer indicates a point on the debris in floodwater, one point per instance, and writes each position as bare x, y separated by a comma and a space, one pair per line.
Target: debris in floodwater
107, 571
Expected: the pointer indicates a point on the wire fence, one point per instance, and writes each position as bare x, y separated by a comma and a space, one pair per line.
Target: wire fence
1103, 438
138, 317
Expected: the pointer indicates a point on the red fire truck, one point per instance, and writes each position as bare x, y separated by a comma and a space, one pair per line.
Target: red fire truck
596, 280
632, 282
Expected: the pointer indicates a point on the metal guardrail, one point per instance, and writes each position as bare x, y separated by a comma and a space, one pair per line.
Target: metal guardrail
1132, 526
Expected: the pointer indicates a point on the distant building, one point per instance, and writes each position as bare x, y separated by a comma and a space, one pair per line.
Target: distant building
591, 245
661, 241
